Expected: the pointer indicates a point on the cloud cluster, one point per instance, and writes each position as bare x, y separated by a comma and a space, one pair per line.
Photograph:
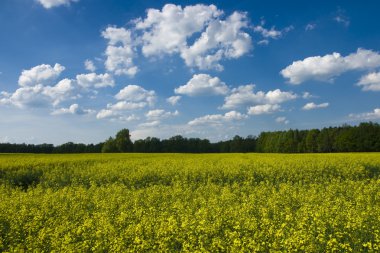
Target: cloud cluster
282, 120
55, 3
203, 85
72, 109
93, 80
41, 74
89, 65
159, 114
326, 68
218, 119
38, 87
312, 106
370, 82
263, 109
120, 51
174, 30
245, 95
173, 100
367, 115
131, 97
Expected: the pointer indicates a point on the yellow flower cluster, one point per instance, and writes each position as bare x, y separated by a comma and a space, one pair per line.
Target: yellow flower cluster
190, 203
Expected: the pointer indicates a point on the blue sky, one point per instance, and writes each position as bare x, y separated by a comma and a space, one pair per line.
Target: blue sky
80, 70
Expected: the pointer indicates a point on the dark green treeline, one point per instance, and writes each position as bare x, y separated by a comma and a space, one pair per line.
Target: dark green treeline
362, 138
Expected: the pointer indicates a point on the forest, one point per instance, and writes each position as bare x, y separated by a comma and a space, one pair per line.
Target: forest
364, 137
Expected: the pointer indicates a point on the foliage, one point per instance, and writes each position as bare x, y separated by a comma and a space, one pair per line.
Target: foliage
122, 143
362, 138
190, 203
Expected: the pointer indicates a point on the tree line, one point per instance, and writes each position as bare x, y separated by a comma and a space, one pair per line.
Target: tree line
362, 138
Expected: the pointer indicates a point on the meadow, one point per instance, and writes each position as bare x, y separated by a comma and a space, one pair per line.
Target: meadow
190, 203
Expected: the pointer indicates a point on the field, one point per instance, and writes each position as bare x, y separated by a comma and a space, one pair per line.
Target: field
190, 203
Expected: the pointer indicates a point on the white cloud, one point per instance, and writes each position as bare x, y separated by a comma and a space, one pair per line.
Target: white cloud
40, 95
312, 106
41, 74
159, 114
282, 120
370, 82
131, 97
263, 42
263, 109
221, 39
93, 80
310, 27
125, 105
135, 93
203, 85
62, 91
89, 65
218, 119
120, 51
244, 95
106, 113
150, 124
54, 3
367, 115
325, 68
173, 100
307, 95
73, 109
168, 31
271, 33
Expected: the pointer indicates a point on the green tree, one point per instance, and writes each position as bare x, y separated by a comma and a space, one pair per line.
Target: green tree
123, 141
109, 146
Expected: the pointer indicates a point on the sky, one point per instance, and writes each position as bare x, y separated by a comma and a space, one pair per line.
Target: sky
80, 70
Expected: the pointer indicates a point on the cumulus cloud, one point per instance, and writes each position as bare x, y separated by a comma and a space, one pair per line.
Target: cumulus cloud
244, 95
115, 115
73, 109
199, 34
39, 88
173, 100
221, 39
326, 68
135, 93
167, 30
93, 80
263, 109
107, 113
40, 95
41, 74
159, 114
370, 82
203, 85
218, 119
89, 65
150, 124
126, 105
120, 51
367, 115
282, 120
131, 97
312, 106
54, 3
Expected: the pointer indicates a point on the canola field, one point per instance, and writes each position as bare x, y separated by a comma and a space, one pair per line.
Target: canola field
190, 203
